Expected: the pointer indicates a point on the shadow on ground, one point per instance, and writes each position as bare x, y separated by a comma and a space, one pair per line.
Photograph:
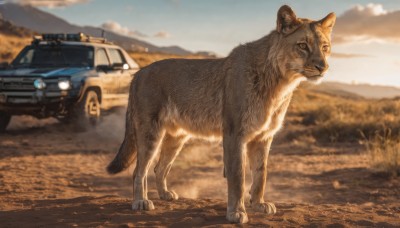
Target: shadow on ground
113, 211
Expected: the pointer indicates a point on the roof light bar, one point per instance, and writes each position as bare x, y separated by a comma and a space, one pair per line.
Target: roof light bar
58, 37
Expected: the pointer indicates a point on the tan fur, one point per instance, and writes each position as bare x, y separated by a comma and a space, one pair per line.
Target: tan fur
242, 98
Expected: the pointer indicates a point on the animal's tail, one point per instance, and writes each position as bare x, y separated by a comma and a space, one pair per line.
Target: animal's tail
127, 153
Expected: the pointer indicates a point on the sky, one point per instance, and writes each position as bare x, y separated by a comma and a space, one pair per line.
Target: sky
366, 37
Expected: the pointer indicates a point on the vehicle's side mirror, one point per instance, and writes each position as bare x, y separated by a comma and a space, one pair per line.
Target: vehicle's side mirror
4, 65
103, 68
120, 66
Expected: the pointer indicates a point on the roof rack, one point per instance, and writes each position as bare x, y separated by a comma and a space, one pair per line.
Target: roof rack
78, 37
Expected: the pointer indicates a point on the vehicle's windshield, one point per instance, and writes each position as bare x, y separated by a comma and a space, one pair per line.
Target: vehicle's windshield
55, 56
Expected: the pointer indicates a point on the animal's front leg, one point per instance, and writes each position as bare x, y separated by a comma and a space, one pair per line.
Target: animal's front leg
257, 152
234, 159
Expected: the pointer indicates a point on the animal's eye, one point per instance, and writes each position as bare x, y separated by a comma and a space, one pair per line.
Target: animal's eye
302, 46
325, 48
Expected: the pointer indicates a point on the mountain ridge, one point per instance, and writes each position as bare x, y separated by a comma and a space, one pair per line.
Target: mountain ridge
363, 89
43, 22
8, 28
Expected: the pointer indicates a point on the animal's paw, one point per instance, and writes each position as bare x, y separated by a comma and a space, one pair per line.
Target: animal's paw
267, 208
237, 217
142, 205
169, 195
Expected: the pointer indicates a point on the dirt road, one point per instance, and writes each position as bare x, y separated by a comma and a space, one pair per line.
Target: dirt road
53, 177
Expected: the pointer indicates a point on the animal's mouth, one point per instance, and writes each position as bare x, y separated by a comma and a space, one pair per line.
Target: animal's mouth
315, 77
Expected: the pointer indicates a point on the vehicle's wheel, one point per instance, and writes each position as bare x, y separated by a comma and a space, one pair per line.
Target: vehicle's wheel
4, 121
86, 113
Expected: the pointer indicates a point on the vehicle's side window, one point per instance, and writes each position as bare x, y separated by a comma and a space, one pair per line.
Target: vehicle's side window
116, 56
101, 57
27, 59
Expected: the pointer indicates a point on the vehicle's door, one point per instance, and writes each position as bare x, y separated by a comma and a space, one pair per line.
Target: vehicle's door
124, 72
109, 78
132, 66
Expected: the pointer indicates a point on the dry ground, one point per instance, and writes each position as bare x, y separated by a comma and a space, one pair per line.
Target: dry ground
53, 177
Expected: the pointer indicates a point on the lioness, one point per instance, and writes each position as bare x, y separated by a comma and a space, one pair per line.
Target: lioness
243, 98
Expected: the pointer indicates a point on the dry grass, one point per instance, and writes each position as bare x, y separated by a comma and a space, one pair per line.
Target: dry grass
336, 119
11, 45
146, 58
329, 119
384, 150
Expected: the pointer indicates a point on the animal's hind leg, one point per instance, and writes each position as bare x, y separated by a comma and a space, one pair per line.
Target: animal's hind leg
148, 140
170, 148
257, 152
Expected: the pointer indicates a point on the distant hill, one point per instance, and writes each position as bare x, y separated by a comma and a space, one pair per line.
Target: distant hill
37, 20
12, 40
8, 28
352, 90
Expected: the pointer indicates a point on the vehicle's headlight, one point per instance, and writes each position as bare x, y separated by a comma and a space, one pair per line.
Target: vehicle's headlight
64, 84
39, 84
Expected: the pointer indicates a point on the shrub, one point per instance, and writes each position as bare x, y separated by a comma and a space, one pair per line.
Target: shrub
332, 119
384, 151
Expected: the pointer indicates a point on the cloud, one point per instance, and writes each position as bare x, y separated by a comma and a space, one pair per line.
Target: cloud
113, 26
162, 34
366, 23
118, 28
348, 55
48, 3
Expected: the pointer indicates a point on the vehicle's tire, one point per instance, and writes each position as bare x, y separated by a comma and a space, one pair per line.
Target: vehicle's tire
4, 121
86, 113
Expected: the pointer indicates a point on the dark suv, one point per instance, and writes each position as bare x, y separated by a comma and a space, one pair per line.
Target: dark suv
68, 76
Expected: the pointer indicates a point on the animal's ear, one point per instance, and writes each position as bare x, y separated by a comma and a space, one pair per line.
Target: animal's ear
287, 20
328, 22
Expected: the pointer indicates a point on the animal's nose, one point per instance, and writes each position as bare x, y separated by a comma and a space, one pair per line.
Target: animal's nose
321, 66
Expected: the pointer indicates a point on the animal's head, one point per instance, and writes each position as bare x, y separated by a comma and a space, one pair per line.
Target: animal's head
306, 44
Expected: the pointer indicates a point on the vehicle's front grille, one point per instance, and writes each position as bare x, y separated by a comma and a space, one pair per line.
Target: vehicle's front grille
17, 84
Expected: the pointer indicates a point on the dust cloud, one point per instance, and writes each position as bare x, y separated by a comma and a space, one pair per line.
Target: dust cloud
111, 126
29, 122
